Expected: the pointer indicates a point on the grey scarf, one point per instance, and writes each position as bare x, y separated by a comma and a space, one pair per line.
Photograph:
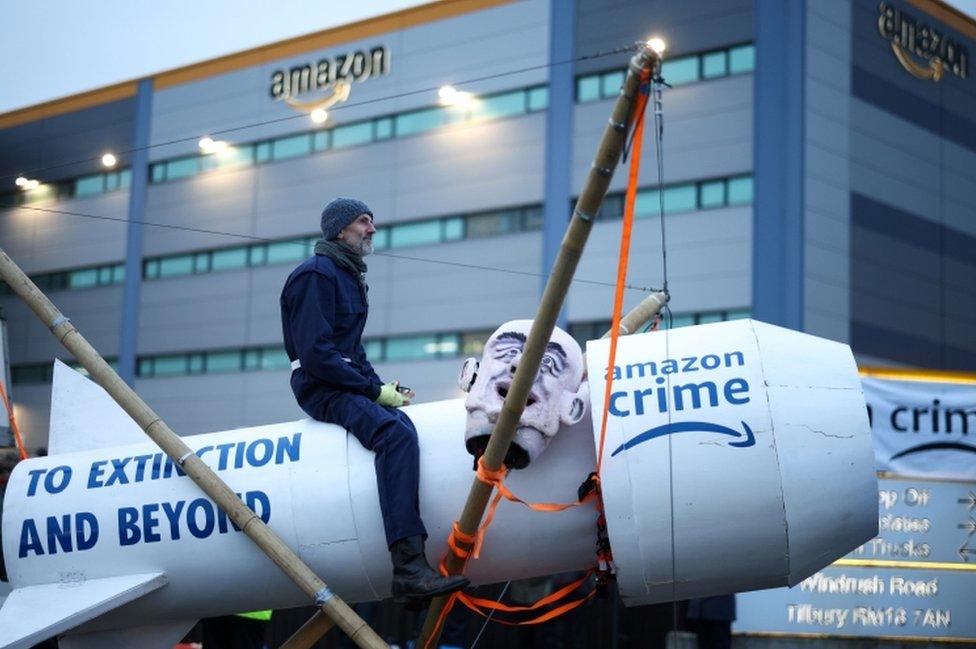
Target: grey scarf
344, 258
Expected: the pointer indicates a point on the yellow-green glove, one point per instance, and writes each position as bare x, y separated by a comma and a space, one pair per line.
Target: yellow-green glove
390, 396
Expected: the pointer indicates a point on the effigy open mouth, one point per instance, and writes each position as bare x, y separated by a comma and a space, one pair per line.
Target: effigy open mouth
502, 389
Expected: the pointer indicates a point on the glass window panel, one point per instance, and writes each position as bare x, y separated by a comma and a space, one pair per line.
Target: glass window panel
419, 121
118, 273
415, 234
195, 364
182, 168
274, 358
683, 320
310, 245
258, 255
453, 228
742, 59
64, 190
473, 343
493, 223
511, 103
229, 258
83, 278
320, 140
446, 346
170, 365
144, 367
612, 207
411, 348
715, 64
235, 157
539, 98
293, 146
176, 266
229, 361
381, 239
715, 316
588, 88
647, 203
90, 185
105, 275
679, 199
611, 82
351, 135
384, 128
157, 172
252, 359
201, 262
739, 314
29, 374
713, 193
533, 218
374, 349
679, 71
740, 190
43, 193
262, 152
125, 178
111, 181
281, 251
150, 270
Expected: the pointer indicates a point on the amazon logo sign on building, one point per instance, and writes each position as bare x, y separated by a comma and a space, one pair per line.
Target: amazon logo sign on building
924, 51
328, 81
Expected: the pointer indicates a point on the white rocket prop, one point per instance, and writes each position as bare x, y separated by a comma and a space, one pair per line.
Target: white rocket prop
762, 433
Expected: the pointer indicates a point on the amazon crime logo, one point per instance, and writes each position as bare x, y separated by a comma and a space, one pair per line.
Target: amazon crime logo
682, 394
330, 79
935, 419
912, 40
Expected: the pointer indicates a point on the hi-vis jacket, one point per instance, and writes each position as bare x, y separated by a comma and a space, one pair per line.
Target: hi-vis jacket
323, 313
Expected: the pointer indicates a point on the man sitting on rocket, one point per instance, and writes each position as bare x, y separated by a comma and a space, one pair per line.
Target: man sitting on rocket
558, 396
323, 313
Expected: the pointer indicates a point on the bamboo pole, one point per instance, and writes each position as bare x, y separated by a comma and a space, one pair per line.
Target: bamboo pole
193, 466
570, 251
641, 314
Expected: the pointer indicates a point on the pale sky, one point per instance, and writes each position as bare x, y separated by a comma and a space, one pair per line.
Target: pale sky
57, 48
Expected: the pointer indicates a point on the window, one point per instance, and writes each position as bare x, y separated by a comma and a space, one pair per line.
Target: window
411, 348
713, 193
176, 266
611, 82
740, 190
182, 168
453, 229
374, 349
415, 234
588, 88
320, 140
262, 152
742, 59
493, 223
89, 185
381, 239
384, 128
293, 146
83, 278
229, 361
715, 64
274, 358
419, 121
680, 199
512, 103
282, 251
170, 365
229, 258
680, 71
473, 343
539, 98
351, 135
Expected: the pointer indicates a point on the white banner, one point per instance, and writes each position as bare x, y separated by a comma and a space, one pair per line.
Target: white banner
923, 428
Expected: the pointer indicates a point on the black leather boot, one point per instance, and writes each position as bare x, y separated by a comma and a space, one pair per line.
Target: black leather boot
413, 578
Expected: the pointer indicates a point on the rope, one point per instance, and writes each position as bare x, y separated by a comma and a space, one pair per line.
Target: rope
18, 439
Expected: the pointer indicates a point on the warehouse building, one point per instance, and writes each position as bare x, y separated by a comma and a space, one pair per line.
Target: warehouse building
819, 173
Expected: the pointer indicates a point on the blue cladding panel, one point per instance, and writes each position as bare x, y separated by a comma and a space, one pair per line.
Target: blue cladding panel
779, 169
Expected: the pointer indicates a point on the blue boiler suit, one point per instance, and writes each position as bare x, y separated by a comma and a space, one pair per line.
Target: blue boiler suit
323, 313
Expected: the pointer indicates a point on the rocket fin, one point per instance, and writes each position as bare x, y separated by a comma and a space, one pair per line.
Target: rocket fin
35, 613
157, 636
84, 416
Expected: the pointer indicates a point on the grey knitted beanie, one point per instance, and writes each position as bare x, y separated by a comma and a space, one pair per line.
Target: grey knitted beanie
340, 213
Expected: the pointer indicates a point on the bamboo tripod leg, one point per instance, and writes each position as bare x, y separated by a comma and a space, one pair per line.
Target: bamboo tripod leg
587, 207
193, 466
